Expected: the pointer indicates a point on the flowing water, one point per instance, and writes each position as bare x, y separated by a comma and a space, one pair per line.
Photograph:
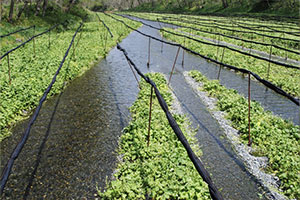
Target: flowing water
71, 148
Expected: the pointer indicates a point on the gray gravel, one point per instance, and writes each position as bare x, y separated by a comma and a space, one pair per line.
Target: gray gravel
253, 164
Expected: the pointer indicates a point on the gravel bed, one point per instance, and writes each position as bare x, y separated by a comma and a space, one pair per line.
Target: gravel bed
255, 165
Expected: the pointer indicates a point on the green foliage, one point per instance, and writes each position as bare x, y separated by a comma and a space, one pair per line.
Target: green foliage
31, 75
163, 170
285, 78
54, 15
272, 136
253, 7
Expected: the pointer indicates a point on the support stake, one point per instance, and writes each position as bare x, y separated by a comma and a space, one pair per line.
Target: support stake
9, 77
182, 63
219, 72
74, 49
134, 74
148, 63
174, 65
49, 39
251, 43
182, 59
150, 111
162, 44
218, 47
269, 62
286, 46
249, 119
105, 41
100, 35
34, 41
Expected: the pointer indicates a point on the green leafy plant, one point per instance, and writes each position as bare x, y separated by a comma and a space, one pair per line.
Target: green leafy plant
32, 74
273, 137
285, 78
161, 170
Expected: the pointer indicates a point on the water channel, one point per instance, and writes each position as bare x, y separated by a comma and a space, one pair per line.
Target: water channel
72, 145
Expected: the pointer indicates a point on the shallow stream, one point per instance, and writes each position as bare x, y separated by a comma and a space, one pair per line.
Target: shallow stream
71, 148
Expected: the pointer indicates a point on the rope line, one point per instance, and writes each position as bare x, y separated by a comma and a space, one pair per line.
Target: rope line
13, 49
22, 29
276, 19
111, 35
215, 194
220, 45
228, 29
272, 30
232, 37
238, 22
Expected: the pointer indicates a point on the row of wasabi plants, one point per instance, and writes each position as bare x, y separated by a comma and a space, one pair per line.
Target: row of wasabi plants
273, 137
31, 74
247, 36
163, 169
231, 27
286, 78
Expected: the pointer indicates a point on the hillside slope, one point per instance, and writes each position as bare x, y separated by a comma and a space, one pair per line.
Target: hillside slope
288, 8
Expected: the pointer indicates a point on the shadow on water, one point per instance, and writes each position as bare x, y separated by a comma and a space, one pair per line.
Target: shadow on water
72, 146
217, 140
118, 107
41, 148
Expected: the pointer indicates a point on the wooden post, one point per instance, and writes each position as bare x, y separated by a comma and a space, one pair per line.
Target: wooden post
251, 43
218, 47
162, 38
1, 10
79, 36
149, 44
182, 63
286, 46
263, 34
34, 41
49, 39
269, 62
9, 77
249, 109
100, 35
150, 111
219, 72
105, 41
162, 46
134, 74
74, 49
173, 65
